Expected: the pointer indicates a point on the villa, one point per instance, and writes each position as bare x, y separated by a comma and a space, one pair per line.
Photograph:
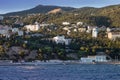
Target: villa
61, 39
35, 27
113, 35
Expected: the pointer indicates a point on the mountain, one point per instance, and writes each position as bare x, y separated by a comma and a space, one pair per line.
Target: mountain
39, 9
104, 16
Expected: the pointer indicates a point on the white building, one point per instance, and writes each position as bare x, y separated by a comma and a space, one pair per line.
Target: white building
82, 29
4, 30
61, 39
79, 23
35, 27
113, 35
108, 29
95, 32
97, 58
100, 58
66, 28
65, 23
68, 32
86, 60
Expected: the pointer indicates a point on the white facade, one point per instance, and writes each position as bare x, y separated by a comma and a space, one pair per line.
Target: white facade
35, 27
113, 35
94, 32
66, 28
75, 30
108, 29
82, 29
79, 23
100, 58
86, 60
68, 32
61, 39
97, 58
65, 23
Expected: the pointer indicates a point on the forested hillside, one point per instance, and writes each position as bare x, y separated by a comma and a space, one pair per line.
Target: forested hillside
106, 16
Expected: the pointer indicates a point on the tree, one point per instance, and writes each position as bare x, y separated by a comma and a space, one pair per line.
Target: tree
40, 54
22, 54
2, 52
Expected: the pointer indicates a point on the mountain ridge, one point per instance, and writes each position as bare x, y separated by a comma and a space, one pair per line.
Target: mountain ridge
38, 9
47, 8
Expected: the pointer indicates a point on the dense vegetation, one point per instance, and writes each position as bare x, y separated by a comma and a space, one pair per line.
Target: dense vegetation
106, 16
82, 44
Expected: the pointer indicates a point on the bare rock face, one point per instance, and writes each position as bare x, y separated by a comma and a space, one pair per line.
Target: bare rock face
54, 11
14, 51
32, 55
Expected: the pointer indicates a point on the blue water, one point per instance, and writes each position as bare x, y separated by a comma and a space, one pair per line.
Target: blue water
60, 72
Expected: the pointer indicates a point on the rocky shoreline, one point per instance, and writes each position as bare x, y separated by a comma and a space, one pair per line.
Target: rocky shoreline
53, 62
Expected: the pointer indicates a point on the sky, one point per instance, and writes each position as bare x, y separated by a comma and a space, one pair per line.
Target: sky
18, 5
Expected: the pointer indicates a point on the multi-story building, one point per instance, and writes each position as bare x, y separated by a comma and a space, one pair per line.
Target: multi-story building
113, 35
94, 32
61, 39
35, 27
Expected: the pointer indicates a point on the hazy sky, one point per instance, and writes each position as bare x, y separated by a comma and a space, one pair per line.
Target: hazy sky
17, 5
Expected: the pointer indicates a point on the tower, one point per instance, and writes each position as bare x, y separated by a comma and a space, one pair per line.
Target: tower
37, 26
95, 32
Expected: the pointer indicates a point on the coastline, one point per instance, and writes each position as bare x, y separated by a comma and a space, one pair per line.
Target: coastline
54, 62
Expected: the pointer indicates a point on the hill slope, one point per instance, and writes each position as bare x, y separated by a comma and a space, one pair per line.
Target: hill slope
105, 16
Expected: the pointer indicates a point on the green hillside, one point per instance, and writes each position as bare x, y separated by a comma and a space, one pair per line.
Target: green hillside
106, 16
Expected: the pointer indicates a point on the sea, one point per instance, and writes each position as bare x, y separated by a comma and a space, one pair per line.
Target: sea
61, 72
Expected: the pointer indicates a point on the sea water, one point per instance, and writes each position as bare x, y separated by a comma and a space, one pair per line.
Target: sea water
61, 72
